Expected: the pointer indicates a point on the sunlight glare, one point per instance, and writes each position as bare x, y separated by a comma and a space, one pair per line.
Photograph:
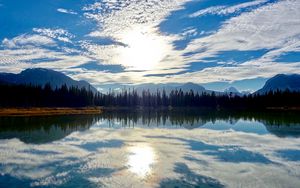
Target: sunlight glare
141, 159
144, 51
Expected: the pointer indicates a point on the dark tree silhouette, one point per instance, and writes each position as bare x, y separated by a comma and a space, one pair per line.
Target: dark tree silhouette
38, 96
178, 98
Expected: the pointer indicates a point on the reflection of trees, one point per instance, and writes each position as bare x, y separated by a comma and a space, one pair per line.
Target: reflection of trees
191, 118
47, 129
43, 129
186, 118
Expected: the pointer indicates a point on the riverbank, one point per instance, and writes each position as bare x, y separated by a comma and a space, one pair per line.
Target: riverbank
49, 111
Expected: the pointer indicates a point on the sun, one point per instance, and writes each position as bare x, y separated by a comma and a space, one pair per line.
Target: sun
144, 49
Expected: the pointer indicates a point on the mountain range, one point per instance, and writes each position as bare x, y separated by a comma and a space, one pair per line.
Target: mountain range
40, 76
168, 87
281, 82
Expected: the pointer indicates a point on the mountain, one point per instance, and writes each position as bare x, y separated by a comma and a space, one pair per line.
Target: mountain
231, 90
191, 86
168, 87
234, 92
40, 76
246, 93
281, 82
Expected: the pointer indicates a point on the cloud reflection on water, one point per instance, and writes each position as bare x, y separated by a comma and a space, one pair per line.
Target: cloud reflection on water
154, 156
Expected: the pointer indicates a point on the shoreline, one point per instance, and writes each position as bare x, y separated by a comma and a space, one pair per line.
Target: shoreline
52, 111
49, 111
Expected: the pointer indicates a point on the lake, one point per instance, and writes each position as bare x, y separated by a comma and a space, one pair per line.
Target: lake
177, 148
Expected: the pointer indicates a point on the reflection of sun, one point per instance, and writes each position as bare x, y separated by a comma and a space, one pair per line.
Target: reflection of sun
141, 159
144, 50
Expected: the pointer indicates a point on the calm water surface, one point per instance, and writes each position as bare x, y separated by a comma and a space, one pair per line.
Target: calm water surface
188, 148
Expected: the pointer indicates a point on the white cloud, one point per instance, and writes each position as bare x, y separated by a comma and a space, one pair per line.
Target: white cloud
209, 10
224, 10
236, 8
28, 40
275, 27
17, 59
62, 10
115, 16
248, 70
59, 34
267, 27
190, 32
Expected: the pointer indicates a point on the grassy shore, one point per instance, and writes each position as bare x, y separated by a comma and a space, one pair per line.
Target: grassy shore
48, 111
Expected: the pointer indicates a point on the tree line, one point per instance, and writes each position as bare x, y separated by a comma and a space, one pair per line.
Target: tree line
45, 96
38, 96
179, 98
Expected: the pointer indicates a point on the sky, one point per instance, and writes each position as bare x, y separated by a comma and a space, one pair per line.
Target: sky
105, 42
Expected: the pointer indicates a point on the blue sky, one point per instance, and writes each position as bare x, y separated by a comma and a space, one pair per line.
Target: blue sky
214, 43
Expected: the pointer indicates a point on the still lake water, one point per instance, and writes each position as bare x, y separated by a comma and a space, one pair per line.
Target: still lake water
189, 148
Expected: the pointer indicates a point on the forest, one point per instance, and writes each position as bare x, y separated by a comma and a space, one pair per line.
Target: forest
46, 96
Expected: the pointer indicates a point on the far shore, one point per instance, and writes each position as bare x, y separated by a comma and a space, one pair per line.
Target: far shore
49, 111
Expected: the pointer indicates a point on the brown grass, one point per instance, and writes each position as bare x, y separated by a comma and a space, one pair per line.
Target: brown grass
45, 111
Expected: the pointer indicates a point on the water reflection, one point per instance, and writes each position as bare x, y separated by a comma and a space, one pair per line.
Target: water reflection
189, 179
282, 124
292, 130
141, 159
190, 148
41, 130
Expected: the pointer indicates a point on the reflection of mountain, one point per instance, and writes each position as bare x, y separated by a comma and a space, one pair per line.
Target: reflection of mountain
40, 130
284, 130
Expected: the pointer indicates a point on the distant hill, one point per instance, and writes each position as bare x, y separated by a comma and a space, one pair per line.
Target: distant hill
234, 91
192, 86
169, 87
281, 82
40, 76
231, 90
